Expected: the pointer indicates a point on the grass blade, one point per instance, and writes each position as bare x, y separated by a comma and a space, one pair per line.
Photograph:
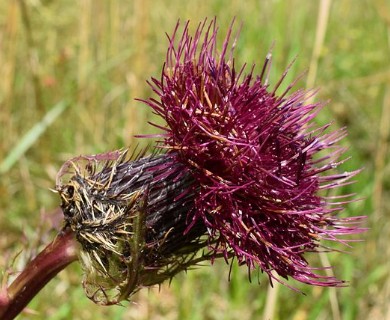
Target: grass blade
32, 136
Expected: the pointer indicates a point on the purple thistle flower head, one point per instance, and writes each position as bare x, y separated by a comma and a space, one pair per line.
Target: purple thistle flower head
256, 157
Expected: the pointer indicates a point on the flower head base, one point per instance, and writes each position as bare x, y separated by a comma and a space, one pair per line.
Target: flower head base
129, 218
254, 156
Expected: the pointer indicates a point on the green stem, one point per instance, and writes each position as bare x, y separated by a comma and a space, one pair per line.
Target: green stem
55, 257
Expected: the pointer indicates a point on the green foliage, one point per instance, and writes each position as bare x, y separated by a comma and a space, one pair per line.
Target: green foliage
97, 55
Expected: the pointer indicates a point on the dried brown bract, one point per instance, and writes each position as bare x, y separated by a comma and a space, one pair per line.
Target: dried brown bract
130, 218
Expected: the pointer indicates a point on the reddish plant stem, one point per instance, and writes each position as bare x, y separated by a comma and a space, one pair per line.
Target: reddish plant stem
45, 266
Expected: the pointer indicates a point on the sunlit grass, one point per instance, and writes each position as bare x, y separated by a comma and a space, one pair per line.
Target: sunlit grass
97, 55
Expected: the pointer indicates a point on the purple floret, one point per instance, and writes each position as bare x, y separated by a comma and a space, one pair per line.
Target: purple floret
257, 157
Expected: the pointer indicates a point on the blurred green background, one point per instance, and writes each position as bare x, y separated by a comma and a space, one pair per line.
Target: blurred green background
70, 71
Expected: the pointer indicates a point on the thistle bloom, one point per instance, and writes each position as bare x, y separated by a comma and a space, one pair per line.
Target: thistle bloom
242, 178
256, 158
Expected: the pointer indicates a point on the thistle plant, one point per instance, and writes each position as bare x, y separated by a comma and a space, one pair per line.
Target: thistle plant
240, 172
